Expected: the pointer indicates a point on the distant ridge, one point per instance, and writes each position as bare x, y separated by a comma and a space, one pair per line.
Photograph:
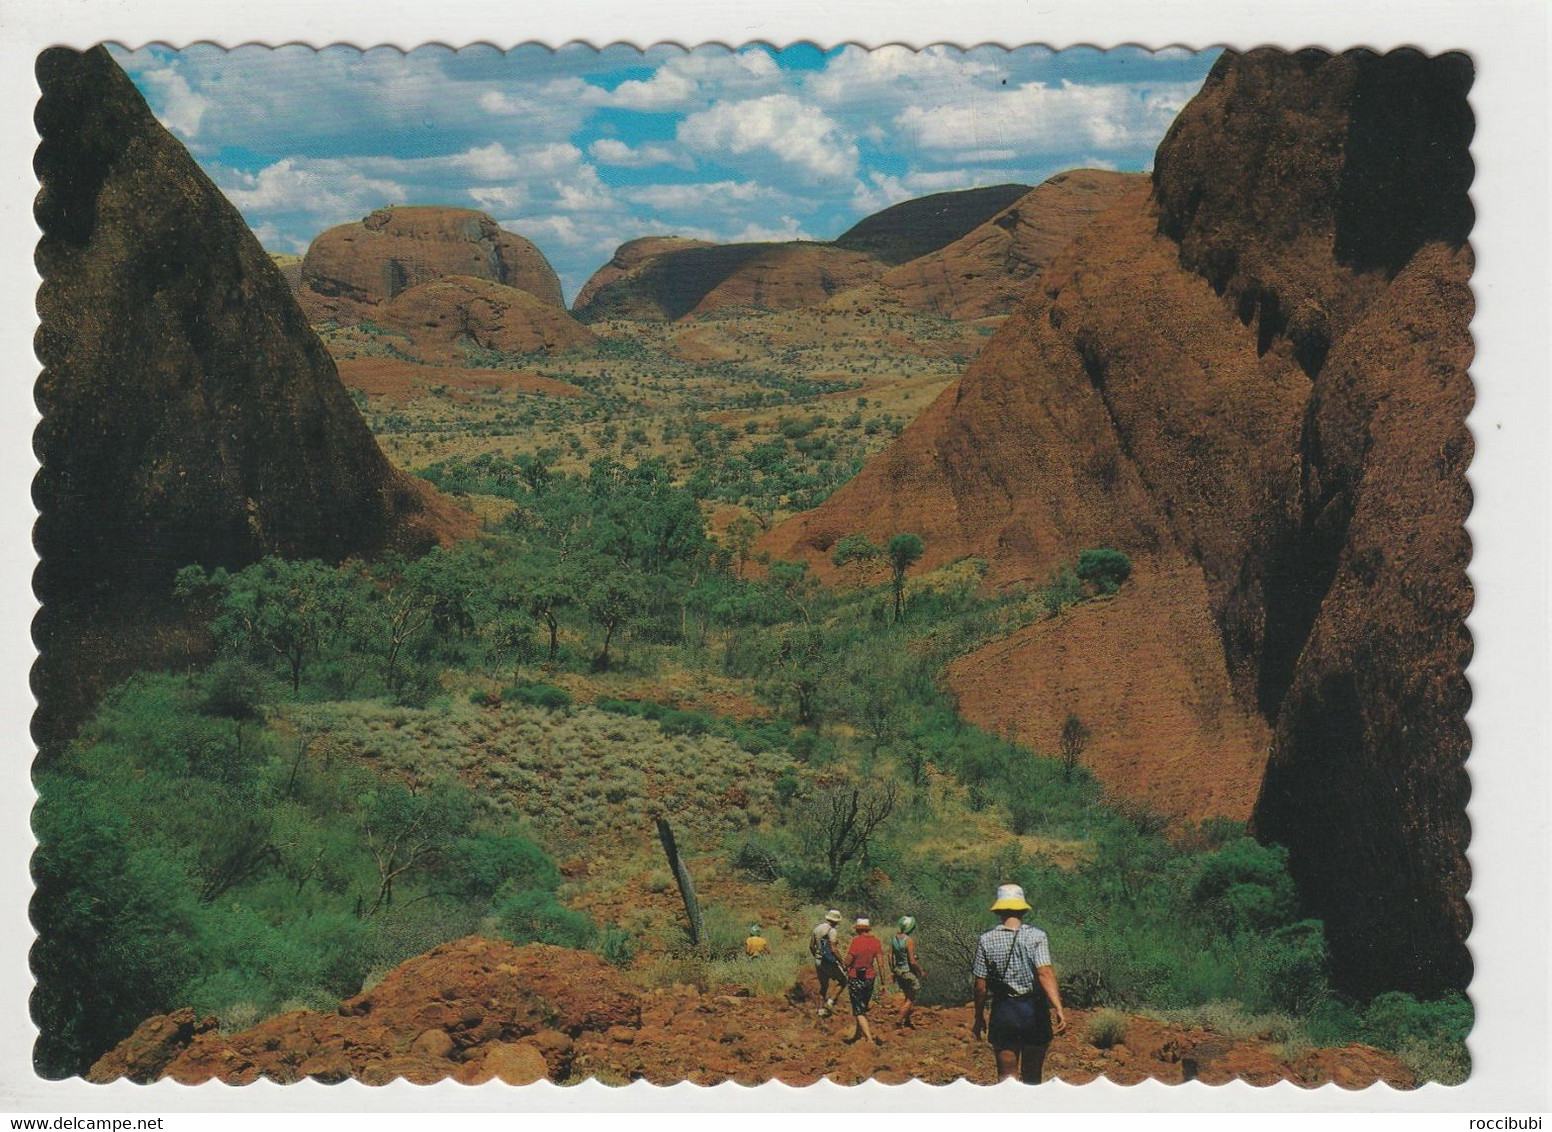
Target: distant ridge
666, 279
916, 227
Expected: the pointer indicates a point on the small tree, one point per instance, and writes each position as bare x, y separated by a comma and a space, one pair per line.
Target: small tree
742, 532
858, 553
611, 598
845, 819
903, 551
1074, 738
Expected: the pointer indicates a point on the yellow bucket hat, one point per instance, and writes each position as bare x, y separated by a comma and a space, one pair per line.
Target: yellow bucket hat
1010, 898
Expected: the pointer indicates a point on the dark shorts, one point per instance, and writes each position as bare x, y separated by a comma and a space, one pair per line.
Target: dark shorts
861, 991
1020, 1022
909, 982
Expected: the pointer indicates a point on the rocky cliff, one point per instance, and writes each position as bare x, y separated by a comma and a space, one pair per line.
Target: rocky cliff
190, 414
446, 316
627, 258
987, 271
1254, 376
683, 281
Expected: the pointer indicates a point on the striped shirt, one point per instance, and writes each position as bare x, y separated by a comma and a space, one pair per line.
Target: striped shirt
1012, 956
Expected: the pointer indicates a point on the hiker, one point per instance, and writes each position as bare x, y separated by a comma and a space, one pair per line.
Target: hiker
1013, 966
756, 945
905, 970
862, 968
821, 945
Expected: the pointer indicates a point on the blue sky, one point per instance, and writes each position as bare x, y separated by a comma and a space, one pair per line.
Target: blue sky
581, 149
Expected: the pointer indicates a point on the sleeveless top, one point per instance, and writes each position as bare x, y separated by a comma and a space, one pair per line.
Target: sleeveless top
899, 947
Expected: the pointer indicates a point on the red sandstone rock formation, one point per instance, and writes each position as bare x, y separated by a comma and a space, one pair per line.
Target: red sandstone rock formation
664, 279
443, 315
1256, 375
988, 271
353, 268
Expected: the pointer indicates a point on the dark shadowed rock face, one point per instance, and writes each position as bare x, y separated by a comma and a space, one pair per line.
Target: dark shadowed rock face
684, 281
1258, 375
918, 227
190, 414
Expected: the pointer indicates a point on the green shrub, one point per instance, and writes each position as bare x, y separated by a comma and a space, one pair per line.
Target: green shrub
1395, 1018
1292, 967
1104, 569
546, 696
537, 917
481, 865
685, 723
1106, 1029
1246, 886
616, 946
1061, 590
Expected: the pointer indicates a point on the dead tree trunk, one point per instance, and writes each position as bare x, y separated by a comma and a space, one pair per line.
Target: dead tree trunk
692, 906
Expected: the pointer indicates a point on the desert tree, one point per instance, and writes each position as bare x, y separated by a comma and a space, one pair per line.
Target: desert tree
1073, 739
844, 819
858, 553
904, 550
741, 533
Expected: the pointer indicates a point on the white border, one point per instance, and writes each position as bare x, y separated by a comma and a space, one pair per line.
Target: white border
1511, 802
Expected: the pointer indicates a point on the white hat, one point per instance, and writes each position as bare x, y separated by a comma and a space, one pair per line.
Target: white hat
864, 922
833, 916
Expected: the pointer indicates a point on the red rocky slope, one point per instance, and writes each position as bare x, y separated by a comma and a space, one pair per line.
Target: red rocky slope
479, 1010
987, 271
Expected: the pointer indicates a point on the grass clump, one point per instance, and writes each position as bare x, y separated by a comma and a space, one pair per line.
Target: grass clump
1106, 1029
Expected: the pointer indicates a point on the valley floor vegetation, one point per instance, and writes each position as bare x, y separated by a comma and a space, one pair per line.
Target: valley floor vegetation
370, 759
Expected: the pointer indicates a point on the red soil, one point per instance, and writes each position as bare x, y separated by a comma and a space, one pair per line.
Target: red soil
403, 381
480, 1010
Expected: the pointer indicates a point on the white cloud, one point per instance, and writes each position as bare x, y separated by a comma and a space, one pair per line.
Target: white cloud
894, 75
693, 79
878, 191
182, 108
274, 239
499, 198
778, 125
1036, 117
612, 151
720, 194
292, 185
784, 229
585, 195
487, 163
262, 98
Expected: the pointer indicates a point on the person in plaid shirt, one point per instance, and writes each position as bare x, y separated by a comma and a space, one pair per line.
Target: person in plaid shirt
1013, 967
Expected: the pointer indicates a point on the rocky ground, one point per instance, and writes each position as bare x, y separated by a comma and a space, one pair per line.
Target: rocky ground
478, 1010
